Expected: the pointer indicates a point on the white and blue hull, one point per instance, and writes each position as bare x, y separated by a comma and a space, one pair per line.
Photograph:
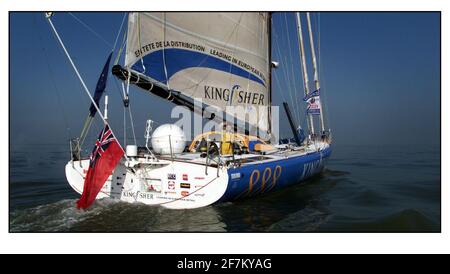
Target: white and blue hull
265, 177
184, 184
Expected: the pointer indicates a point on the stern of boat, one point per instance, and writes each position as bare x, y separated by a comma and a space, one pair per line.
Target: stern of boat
170, 184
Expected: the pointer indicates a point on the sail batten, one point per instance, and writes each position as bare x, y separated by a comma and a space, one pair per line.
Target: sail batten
221, 59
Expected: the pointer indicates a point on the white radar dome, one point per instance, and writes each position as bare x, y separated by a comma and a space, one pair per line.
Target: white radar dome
167, 138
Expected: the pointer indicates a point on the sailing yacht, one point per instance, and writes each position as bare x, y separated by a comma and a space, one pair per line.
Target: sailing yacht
217, 65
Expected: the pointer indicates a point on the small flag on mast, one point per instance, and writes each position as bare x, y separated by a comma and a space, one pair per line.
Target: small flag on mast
313, 100
104, 158
100, 88
315, 93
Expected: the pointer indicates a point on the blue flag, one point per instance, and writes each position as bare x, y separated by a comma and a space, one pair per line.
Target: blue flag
312, 94
100, 88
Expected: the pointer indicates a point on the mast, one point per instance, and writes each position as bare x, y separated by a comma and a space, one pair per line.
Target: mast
269, 30
316, 74
304, 70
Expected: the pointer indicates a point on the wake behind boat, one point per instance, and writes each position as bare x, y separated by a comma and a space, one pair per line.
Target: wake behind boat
217, 65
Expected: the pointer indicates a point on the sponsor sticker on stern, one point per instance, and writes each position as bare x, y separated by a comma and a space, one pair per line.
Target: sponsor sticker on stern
235, 175
185, 185
171, 176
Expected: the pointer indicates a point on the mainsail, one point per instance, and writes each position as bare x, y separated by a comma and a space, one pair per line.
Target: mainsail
221, 59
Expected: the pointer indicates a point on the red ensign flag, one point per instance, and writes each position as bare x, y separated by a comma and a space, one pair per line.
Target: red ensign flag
104, 158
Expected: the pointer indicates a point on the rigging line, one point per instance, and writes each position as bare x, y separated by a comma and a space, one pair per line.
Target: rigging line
125, 95
284, 67
128, 106
323, 95
86, 128
132, 124
208, 40
281, 59
125, 127
82, 82
164, 55
195, 85
301, 121
301, 91
203, 60
291, 87
122, 97
318, 36
104, 40
303, 73
122, 46
58, 95
285, 71
120, 30
314, 62
243, 26
278, 81
280, 88
139, 39
233, 54
90, 29
267, 26
277, 48
291, 65
304, 69
118, 89
228, 40
317, 31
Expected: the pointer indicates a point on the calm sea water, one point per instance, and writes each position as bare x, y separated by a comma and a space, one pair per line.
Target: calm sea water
362, 189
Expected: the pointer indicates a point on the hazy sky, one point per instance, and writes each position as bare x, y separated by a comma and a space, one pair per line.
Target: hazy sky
380, 76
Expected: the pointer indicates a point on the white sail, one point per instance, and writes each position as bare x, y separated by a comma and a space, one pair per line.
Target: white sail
220, 58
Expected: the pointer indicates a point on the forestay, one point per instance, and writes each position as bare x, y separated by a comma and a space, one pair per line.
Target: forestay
220, 58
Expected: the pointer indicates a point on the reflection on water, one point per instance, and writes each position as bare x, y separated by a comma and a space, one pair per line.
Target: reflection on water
360, 190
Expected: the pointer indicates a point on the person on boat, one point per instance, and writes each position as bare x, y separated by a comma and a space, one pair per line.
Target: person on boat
227, 139
324, 136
